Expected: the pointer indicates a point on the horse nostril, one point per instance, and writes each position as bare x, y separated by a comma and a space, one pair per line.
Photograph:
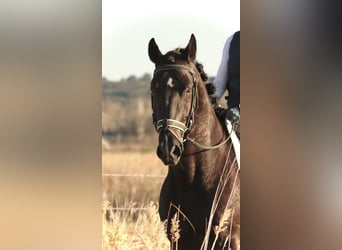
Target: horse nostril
176, 151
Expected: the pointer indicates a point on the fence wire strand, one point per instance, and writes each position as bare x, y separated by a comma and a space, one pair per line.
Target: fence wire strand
133, 175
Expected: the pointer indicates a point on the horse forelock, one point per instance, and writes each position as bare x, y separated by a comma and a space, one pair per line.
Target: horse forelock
173, 57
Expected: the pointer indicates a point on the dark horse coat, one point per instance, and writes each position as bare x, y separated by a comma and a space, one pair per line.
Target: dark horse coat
200, 197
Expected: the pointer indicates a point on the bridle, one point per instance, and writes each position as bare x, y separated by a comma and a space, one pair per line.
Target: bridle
170, 124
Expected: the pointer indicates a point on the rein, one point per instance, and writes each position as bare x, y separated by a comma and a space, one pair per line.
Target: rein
168, 124
207, 147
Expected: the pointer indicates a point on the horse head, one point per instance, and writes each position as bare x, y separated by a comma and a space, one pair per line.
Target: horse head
174, 98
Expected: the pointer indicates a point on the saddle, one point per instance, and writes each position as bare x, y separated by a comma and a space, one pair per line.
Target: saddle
220, 111
232, 128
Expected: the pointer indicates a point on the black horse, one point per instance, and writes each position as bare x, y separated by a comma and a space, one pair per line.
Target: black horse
200, 197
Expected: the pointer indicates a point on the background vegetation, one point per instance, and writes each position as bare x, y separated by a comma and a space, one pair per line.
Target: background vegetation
126, 111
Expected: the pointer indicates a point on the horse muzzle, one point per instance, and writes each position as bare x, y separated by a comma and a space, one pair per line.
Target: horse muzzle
170, 148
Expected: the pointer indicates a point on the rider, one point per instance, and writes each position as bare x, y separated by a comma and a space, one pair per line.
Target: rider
228, 77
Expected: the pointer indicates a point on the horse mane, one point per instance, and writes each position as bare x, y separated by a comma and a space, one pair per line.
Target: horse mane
210, 87
200, 68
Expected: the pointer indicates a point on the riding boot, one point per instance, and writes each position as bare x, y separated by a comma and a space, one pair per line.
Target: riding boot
233, 115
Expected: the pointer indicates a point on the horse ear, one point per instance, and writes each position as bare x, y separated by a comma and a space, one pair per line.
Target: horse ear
190, 50
153, 51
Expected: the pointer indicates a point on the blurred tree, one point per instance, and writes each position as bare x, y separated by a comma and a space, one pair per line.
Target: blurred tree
146, 77
131, 78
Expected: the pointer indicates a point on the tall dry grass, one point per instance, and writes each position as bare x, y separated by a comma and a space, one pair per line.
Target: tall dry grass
130, 215
133, 231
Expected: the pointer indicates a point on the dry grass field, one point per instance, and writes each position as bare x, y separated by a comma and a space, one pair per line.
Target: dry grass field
130, 201
138, 176
130, 216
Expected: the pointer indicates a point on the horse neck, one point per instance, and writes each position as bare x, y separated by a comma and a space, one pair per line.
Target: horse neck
206, 130
206, 126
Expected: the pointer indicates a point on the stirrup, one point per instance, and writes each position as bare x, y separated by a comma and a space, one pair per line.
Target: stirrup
236, 128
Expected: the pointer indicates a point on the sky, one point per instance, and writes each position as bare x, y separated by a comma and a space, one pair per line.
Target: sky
128, 26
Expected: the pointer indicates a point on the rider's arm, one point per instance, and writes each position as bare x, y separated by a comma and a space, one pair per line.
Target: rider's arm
221, 78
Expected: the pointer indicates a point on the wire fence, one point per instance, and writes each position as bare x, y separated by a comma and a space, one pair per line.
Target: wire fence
131, 208
133, 175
